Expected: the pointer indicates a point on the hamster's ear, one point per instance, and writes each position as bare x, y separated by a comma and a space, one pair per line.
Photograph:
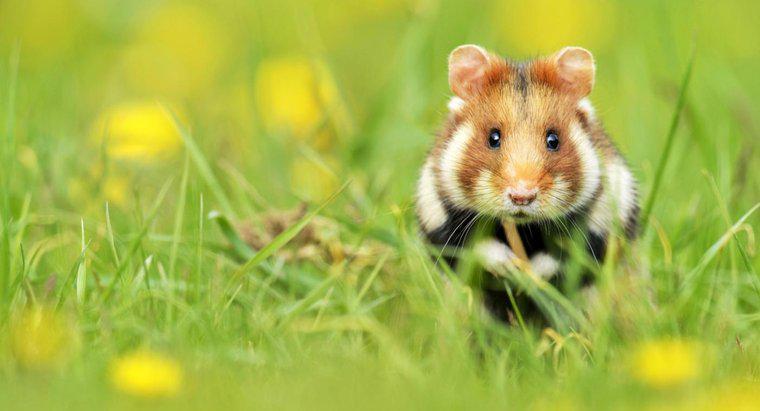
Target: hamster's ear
470, 69
575, 69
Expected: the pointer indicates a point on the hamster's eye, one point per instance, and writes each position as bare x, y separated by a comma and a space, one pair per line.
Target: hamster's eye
494, 138
552, 140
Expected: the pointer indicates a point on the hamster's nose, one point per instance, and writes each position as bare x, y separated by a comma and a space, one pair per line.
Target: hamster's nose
522, 196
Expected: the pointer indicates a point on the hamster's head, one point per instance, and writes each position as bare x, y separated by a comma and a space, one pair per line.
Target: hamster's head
519, 144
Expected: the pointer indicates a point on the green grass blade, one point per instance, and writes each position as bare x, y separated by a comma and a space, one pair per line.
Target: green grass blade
111, 238
727, 220
284, 237
137, 241
81, 281
548, 298
312, 297
203, 166
5, 255
670, 138
198, 272
687, 287
179, 217
516, 309
239, 246
375, 271
69, 280
9, 144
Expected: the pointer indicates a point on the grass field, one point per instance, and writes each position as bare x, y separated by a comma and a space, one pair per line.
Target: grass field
210, 207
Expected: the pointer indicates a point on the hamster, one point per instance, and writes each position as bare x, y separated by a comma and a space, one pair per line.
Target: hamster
522, 143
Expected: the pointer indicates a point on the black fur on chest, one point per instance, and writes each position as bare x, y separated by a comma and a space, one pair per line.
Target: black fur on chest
537, 237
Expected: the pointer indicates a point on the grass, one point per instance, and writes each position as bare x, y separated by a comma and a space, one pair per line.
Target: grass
205, 257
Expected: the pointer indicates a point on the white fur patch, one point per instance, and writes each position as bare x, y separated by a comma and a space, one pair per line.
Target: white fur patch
600, 215
497, 256
429, 207
589, 163
494, 254
544, 265
623, 188
450, 163
586, 107
618, 199
455, 104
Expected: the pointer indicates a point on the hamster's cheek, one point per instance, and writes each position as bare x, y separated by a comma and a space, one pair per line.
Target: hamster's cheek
485, 193
556, 198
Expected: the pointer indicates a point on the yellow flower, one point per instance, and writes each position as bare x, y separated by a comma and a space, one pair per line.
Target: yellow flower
544, 26
41, 338
28, 158
292, 95
146, 374
116, 190
667, 362
98, 184
137, 131
179, 51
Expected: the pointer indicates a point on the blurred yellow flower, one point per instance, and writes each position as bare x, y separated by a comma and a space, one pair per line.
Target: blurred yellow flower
667, 362
544, 26
137, 131
313, 179
41, 338
179, 51
146, 374
293, 95
116, 190
90, 189
28, 158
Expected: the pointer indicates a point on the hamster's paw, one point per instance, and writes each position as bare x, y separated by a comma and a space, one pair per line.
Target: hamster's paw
544, 265
498, 258
495, 256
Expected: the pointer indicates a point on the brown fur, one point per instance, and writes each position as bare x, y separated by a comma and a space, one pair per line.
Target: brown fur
544, 192
523, 102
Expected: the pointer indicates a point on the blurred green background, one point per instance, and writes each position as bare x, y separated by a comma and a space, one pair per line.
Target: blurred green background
356, 82
351, 84
281, 103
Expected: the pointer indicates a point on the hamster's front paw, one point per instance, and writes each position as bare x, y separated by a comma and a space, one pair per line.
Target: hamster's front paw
544, 265
495, 256
499, 259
